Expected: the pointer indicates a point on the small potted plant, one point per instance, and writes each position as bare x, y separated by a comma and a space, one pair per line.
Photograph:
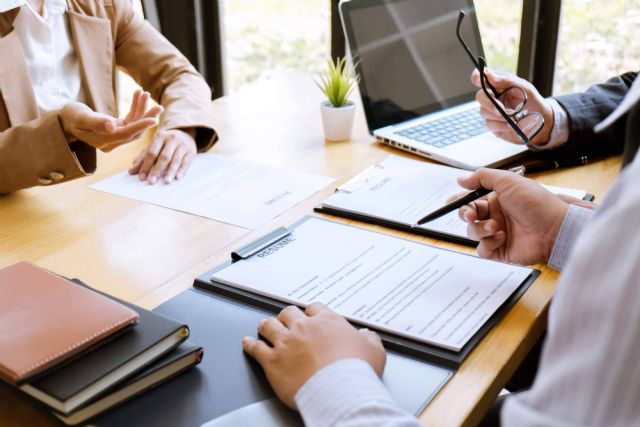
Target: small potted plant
337, 82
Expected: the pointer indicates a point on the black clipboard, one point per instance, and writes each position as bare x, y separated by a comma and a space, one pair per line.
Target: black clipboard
431, 353
403, 227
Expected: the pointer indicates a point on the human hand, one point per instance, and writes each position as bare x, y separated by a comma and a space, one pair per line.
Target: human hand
169, 155
493, 119
104, 132
302, 344
518, 222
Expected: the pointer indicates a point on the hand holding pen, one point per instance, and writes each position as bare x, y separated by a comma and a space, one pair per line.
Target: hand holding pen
481, 192
517, 221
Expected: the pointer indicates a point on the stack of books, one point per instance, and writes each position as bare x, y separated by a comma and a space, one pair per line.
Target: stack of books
81, 352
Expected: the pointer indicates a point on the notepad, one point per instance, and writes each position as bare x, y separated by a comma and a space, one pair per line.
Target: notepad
398, 191
411, 290
45, 321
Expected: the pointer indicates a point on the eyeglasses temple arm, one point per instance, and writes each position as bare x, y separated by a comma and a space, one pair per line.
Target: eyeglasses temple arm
509, 120
465, 46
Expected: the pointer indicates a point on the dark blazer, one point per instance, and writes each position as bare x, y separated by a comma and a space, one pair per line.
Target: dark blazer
589, 108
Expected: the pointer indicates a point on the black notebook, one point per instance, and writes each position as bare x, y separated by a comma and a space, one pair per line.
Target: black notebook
423, 301
228, 379
175, 362
71, 386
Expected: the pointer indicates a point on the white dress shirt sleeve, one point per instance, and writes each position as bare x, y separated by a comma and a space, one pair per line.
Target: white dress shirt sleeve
349, 393
572, 225
559, 132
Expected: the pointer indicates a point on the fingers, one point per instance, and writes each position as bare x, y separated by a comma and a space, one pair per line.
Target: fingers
95, 122
126, 134
163, 159
488, 246
174, 165
316, 308
153, 112
478, 230
272, 329
257, 349
499, 79
474, 211
186, 162
139, 105
134, 104
150, 156
371, 336
129, 131
491, 179
137, 163
142, 105
290, 315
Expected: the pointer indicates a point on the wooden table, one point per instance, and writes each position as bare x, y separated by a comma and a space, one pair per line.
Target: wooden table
147, 254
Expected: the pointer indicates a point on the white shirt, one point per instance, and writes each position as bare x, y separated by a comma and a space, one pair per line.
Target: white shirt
51, 58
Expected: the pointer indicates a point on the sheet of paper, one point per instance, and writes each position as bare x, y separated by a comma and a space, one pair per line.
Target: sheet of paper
404, 190
422, 292
223, 188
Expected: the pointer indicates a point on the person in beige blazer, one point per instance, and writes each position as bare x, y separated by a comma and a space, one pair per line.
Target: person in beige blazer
50, 147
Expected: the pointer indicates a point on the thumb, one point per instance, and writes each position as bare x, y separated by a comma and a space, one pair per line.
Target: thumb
96, 122
497, 79
491, 179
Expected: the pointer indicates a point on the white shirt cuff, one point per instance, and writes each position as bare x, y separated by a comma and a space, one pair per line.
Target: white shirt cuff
559, 132
338, 389
572, 225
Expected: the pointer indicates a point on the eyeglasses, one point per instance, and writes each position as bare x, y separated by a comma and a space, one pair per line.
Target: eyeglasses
510, 103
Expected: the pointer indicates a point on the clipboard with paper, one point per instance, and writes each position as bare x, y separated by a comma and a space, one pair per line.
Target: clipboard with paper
424, 301
398, 191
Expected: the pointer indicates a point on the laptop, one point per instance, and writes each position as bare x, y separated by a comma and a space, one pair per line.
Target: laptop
415, 80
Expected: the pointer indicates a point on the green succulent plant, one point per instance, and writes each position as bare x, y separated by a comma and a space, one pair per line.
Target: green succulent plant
337, 81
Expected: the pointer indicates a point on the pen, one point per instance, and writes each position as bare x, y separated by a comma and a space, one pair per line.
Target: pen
554, 164
458, 203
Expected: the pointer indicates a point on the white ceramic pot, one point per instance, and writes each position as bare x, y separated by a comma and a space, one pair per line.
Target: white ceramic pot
337, 121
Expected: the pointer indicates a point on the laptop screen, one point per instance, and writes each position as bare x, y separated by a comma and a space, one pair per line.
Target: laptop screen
408, 57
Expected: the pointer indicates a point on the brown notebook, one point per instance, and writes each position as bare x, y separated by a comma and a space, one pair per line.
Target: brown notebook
45, 320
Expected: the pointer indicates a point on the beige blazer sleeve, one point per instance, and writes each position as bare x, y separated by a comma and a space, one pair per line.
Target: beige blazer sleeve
163, 71
28, 153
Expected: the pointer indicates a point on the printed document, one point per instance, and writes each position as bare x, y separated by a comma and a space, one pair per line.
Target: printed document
410, 289
223, 188
403, 190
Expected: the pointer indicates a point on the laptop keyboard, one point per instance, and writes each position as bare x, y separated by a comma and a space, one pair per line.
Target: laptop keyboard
447, 130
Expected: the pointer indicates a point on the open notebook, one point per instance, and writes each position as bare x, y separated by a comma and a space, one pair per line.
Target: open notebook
398, 191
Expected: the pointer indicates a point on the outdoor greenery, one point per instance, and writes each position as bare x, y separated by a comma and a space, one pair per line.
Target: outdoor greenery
598, 39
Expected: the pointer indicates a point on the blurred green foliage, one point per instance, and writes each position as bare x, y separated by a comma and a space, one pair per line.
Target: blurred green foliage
598, 38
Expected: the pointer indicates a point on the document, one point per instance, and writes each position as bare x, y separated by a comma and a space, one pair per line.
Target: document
413, 290
223, 188
403, 190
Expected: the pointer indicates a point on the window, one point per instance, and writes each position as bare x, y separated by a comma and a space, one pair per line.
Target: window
598, 39
499, 22
263, 36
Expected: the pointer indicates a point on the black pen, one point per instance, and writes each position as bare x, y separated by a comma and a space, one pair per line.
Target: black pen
554, 164
458, 203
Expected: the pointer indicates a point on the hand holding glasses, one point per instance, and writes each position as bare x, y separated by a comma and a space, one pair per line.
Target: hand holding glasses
510, 103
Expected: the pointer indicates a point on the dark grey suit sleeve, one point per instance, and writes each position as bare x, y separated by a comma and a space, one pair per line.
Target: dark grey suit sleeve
589, 108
